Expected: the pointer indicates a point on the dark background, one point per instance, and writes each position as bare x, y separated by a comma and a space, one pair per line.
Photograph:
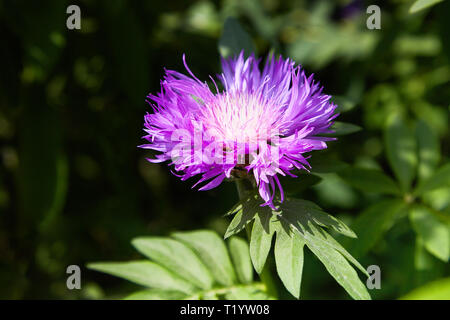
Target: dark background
74, 186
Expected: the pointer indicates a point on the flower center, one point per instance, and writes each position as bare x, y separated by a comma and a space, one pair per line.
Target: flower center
241, 118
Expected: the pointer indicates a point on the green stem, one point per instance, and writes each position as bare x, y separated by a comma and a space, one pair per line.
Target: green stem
244, 186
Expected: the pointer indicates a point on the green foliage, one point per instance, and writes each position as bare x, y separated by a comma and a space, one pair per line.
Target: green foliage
380, 217
428, 150
145, 273
234, 39
370, 180
176, 257
296, 223
194, 266
401, 151
289, 260
434, 233
436, 290
239, 250
342, 128
422, 4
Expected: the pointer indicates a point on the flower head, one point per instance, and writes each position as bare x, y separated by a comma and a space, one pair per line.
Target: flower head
260, 123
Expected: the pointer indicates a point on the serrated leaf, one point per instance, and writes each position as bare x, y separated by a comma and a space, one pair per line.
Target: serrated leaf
261, 239
329, 252
434, 233
336, 264
422, 4
145, 273
244, 211
439, 179
289, 259
343, 128
240, 255
313, 212
299, 220
369, 180
176, 257
428, 150
154, 294
234, 39
212, 252
401, 151
372, 223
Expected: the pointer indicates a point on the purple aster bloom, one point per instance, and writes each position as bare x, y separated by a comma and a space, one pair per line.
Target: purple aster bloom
259, 124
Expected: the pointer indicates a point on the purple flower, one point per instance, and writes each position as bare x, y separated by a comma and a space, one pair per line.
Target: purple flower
260, 123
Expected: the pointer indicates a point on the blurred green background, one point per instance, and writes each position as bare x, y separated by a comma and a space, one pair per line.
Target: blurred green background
75, 188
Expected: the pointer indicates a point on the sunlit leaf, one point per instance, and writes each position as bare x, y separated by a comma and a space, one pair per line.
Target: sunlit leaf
305, 219
436, 290
434, 233
439, 179
155, 294
428, 149
289, 259
176, 257
213, 253
145, 273
240, 255
261, 239
422, 4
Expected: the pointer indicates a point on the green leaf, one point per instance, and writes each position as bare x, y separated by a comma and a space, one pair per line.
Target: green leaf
145, 273
369, 180
289, 259
311, 211
240, 255
212, 251
343, 128
372, 223
176, 257
335, 263
440, 179
155, 294
428, 150
261, 239
434, 233
401, 151
436, 290
234, 39
422, 4
247, 293
306, 219
343, 103
244, 211
329, 252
